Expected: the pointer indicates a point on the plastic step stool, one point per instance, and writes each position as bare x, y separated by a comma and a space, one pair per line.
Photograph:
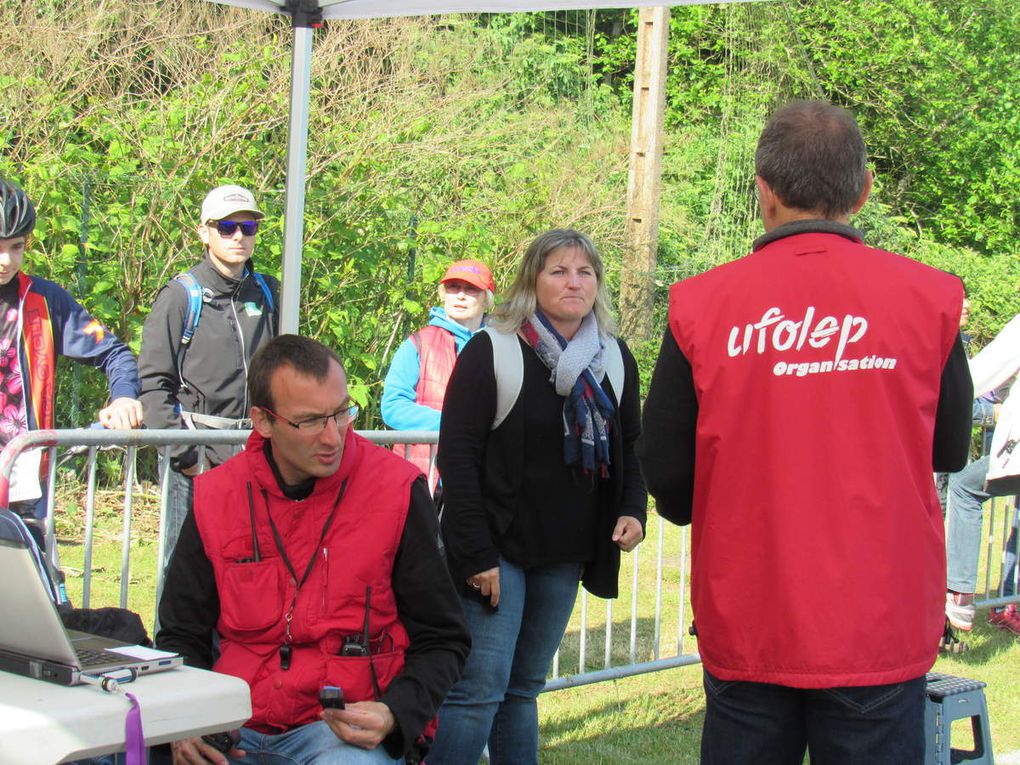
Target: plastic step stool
952, 698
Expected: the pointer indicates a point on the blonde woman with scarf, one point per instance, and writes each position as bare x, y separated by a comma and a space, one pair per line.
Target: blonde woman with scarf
546, 499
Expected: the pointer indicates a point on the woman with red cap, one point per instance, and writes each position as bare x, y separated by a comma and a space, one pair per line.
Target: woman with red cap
415, 384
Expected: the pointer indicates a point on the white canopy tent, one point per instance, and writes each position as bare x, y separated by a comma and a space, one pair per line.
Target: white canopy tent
306, 16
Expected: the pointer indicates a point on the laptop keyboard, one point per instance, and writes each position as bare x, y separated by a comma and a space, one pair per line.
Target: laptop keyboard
89, 658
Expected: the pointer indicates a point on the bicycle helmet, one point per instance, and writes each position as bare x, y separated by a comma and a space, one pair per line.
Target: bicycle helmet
17, 215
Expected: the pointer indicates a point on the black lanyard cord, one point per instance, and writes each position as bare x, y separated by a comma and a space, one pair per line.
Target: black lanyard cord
256, 555
322, 537
285, 647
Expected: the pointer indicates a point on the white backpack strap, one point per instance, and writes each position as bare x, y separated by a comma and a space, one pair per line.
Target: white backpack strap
614, 367
508, 366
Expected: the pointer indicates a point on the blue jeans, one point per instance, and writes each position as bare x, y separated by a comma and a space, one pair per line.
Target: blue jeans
511, 650
963, 535
1009, 561
774, 725
312, 744
180, 495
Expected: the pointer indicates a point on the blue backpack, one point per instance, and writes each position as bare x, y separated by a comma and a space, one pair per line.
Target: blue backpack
195, 300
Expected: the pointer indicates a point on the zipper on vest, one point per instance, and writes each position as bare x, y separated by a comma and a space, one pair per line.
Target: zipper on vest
325, 575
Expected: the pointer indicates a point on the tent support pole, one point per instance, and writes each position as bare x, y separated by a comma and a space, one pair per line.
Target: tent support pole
307, 17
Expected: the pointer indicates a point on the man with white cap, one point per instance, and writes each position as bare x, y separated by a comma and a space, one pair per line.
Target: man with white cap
204, 327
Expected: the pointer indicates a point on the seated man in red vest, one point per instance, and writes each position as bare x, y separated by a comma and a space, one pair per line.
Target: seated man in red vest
312, 555
802, 397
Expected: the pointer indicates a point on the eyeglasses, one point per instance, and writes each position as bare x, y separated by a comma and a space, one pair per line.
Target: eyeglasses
468, 289
341, 417
229, 227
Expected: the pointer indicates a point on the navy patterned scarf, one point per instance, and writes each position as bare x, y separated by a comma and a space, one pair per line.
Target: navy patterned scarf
577, 371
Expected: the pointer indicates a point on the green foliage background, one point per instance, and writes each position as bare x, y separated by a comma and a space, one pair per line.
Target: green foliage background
463, 136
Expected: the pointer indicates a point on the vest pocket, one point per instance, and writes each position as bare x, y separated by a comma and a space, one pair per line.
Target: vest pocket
252, 597
354, 675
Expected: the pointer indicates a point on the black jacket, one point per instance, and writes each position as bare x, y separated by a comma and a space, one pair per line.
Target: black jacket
483, 472
235, 322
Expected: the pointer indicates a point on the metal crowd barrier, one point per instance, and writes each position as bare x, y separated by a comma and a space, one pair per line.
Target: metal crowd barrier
1004, 553
641, 632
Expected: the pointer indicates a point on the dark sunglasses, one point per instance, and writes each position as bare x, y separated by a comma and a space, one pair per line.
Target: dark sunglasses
229, 227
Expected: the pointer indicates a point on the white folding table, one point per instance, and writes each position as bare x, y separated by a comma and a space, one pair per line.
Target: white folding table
42, 723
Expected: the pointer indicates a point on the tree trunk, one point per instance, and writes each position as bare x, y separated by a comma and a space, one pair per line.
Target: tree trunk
637, 277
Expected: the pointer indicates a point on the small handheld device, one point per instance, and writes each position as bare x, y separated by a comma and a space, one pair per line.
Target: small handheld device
354, 645
331, 697
221, 742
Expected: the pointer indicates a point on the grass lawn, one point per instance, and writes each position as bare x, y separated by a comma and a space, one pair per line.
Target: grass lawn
656, 718
651, 718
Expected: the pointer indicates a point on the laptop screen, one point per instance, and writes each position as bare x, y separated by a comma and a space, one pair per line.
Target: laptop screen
31, 625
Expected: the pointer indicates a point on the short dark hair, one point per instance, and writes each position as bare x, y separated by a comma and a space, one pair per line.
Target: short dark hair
813, 156
304, 355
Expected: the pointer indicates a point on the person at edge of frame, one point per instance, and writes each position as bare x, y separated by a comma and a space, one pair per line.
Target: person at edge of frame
39, 321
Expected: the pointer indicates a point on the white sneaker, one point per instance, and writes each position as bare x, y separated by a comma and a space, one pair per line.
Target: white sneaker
960, 610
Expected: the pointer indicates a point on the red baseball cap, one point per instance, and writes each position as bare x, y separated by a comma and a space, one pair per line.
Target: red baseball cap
473, 272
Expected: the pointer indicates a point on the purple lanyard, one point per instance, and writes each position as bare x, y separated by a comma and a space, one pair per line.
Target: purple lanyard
134, 739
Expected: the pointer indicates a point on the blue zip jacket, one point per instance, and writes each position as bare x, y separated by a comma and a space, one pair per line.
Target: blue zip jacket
399, 408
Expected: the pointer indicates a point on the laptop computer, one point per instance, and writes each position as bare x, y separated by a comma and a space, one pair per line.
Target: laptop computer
34, 642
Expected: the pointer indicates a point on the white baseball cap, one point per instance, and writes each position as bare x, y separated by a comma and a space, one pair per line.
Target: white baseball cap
224, 201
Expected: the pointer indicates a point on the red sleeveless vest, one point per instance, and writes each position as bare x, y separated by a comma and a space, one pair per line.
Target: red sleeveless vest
255, 597
818, 557
437, 354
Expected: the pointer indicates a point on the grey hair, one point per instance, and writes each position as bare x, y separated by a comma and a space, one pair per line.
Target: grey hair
813, 156
519, 301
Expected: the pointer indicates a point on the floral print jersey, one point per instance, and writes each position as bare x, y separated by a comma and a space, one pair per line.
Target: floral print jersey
13, 417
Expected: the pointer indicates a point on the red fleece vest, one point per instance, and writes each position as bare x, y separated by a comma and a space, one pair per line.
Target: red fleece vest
437, 354
817, 540
357, 553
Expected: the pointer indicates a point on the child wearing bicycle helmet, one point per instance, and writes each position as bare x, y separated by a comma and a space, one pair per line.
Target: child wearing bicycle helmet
39, 320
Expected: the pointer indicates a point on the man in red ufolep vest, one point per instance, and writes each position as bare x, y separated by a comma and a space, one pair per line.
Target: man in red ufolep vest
802, 397
313, 555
